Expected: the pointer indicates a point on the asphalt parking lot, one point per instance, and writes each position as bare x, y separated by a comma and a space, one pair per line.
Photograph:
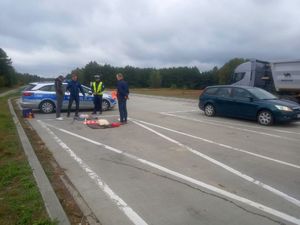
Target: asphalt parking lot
172, 165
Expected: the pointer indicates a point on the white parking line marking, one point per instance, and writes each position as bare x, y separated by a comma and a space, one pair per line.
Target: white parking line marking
230, 169
221, 145
184, 111
232, 127
246, 201
121, 204
241, 125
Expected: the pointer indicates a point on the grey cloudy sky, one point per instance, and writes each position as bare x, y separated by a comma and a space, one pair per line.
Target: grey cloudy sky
50, 37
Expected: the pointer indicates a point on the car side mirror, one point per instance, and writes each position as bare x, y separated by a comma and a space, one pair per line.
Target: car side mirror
251, 99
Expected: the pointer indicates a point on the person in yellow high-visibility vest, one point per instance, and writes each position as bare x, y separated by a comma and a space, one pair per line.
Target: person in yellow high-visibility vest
97, 89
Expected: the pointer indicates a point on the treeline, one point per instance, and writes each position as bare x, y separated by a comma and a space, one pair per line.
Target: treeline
9, 77
175, 77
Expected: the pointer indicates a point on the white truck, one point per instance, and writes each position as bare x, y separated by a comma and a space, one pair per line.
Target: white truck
279, 77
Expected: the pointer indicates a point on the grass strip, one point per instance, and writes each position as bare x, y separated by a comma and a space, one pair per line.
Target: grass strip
20, 200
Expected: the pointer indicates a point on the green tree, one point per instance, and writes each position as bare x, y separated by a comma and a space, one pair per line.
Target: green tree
7, 72
155, 79
226, 71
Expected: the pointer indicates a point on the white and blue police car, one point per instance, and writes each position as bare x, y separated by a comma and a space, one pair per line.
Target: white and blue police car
41, 95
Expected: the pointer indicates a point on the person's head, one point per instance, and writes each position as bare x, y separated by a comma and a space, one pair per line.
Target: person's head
120, 76
97, 77
74, 77
61, 77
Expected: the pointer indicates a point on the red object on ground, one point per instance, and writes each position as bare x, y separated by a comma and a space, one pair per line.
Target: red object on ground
115, 124
91, 122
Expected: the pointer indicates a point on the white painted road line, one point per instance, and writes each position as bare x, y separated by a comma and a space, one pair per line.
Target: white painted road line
232, 127
228, 168
121, 204
221, 145
239, 124
183, 111
219, 191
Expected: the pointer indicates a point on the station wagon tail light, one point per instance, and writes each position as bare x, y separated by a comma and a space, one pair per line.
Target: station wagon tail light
283, 108
27, 93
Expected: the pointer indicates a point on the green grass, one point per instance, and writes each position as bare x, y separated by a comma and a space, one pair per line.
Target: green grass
20, 199
4, 89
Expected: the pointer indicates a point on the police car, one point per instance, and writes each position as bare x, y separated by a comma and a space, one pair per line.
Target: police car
42, 96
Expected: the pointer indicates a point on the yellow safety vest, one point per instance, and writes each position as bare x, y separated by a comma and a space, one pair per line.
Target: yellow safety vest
97, 90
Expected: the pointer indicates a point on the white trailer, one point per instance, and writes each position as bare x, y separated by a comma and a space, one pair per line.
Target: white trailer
280, 77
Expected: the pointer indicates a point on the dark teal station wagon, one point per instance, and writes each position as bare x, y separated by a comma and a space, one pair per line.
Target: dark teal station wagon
247, 103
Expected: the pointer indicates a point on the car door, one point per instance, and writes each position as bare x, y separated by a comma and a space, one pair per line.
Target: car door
244, 105
87, 102
223, 101
47, 92
66, 97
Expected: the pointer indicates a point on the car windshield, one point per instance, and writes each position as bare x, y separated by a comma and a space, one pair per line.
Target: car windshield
262, 94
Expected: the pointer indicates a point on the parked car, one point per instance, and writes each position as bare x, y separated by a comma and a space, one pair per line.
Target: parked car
248, 103
42, 96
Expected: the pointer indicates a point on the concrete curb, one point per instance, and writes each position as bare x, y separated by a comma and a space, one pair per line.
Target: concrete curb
52, 204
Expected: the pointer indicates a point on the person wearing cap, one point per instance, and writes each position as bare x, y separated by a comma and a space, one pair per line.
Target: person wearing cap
60, 92
74, 87
97, 89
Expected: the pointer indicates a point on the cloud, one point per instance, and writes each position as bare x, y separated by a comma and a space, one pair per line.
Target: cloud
52, 37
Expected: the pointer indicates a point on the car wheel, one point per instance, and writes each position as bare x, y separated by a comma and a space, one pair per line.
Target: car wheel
209, 110
105, 105
47, 107
265, 118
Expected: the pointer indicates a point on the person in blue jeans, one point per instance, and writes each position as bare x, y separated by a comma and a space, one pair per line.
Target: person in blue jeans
122, 95
74, 87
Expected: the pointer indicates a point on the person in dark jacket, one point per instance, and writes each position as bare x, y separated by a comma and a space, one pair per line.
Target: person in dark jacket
60, 93
74, 87
97, 88
122, 95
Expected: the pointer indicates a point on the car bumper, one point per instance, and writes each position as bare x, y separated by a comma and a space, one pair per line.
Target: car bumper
29, 105
287, 116
112, 103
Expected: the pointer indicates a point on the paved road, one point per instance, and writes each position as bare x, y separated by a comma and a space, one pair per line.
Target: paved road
172, 165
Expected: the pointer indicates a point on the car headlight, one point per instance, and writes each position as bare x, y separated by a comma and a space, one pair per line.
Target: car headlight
283, 108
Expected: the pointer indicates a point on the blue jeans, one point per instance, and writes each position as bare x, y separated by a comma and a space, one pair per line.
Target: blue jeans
122, 109
76, 99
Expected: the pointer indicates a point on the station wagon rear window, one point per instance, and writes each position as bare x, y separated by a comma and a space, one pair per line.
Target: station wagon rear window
29, 87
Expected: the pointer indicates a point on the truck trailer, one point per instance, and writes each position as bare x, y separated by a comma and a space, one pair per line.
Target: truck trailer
282, 78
